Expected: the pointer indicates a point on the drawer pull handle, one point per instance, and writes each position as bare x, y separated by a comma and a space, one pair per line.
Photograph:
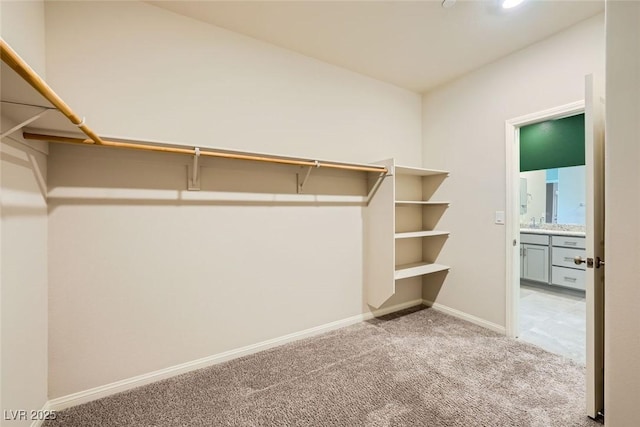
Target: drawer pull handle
569, 279
570, 243
569, 259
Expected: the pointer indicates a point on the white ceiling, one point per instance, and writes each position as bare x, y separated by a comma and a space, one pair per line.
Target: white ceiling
417, 45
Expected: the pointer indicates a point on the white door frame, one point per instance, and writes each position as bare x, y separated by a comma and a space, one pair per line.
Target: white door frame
512, 242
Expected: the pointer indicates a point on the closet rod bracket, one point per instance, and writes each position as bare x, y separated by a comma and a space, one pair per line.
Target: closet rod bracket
193, 172
25, 122
300, 183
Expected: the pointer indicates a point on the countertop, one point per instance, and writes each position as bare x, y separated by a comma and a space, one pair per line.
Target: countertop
555, 230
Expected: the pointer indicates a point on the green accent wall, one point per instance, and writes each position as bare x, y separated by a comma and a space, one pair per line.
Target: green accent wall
552, 144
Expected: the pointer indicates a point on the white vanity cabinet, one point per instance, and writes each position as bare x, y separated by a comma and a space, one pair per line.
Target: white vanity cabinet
548, 259
534, 257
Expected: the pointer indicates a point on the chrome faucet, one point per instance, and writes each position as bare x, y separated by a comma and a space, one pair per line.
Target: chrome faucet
533, 222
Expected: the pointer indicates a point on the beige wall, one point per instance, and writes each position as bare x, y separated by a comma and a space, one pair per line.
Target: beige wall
23, 293
463, 128
23, 238
22, 27
622, 228
140, 71
141, 277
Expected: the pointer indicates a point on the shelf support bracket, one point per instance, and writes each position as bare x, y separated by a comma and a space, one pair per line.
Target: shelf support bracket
193, 173
24, 123
300, 184
375, 186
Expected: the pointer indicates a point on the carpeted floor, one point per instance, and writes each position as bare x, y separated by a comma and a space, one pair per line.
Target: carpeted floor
415, 368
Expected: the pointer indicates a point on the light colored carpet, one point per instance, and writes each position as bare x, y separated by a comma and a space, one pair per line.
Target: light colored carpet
416, 368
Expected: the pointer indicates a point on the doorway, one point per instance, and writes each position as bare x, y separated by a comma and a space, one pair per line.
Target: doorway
517, 197
552, 233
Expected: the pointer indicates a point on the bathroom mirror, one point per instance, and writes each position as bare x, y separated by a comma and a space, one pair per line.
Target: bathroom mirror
553, 196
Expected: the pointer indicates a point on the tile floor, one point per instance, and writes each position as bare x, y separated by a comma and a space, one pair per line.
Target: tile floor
555, 321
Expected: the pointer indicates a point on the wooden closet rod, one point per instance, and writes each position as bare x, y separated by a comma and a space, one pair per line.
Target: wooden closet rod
207, 153
13, 60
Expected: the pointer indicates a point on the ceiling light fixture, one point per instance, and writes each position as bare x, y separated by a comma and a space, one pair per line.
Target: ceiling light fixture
448, 3
508, 4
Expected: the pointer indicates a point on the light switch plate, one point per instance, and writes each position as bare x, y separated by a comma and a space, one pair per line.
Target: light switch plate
500, 217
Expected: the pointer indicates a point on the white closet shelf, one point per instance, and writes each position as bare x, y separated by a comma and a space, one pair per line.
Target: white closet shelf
408, 170
419, 203
417, 269
412, 234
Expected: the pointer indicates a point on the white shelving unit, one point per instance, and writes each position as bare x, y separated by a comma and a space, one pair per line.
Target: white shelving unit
403, 239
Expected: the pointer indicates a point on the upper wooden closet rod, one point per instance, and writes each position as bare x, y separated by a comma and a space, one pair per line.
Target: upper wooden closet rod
12, 59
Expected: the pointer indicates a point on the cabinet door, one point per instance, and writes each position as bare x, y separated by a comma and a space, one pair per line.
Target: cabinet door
536, 263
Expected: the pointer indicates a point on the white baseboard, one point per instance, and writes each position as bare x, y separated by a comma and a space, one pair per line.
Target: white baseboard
45, 408
465, 316
85, 396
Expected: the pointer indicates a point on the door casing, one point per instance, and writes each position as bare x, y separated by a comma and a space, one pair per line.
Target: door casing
512, 139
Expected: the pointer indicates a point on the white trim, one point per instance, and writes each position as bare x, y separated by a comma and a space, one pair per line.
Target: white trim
512, 300
38, 423
85, 396
561, 111
512, 151
465, 316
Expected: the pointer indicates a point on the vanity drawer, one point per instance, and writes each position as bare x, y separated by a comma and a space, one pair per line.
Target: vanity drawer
563, 257
534, 239
568, 277
568, 242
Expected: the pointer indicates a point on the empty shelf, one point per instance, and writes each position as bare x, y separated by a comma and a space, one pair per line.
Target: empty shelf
417, 269
408, 170
411, 234
419, 203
